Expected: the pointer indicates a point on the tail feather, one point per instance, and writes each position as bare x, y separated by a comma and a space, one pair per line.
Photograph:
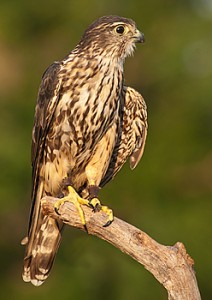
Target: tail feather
41, 248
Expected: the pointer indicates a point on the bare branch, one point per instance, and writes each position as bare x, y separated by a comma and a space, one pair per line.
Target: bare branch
170, 265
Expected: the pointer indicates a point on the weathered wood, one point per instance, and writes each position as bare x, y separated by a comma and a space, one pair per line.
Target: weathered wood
170, 265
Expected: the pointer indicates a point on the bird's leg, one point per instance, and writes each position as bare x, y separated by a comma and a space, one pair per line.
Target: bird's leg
96, 169
76, 200
93, 191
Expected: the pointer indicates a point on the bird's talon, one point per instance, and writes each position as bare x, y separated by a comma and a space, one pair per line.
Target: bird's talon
97, 208
95, 204
91, 205
56, 210
57, 206
76, 200
108, 223
109, 212
85, 227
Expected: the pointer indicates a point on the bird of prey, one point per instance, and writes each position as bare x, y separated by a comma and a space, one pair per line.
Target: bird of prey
87, 124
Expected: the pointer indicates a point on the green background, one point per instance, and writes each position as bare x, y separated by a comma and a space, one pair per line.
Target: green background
168, 195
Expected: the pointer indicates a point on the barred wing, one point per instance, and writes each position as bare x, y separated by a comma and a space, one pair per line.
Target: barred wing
132, 136
44, 233
48, 97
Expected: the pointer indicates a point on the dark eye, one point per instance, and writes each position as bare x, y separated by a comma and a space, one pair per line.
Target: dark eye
120, 29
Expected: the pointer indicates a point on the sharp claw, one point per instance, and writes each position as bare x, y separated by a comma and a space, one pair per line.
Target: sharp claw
57, 211
108, 223
91, 205
95, 204
97, 207
85, 227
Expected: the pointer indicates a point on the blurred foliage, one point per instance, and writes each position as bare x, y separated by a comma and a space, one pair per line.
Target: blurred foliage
169, 193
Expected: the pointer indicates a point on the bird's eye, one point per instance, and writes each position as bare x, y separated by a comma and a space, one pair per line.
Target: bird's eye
120, 29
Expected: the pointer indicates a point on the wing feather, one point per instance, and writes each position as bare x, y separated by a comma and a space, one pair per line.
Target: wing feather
44, 233
132, 136
139, 125
48, 97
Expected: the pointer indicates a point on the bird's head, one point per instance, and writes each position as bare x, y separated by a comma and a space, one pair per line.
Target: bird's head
112, 36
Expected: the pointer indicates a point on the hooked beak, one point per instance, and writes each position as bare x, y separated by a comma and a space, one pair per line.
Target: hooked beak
139, 37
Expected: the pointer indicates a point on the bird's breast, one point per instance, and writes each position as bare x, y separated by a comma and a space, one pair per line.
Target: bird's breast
89, 107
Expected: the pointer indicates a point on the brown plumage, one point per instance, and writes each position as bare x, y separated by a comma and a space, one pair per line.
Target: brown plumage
87, 124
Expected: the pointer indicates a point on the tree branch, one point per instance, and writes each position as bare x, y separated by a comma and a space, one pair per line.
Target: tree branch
170, 265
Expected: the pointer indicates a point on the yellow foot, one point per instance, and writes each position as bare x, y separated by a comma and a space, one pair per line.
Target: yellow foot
95, 203
76, 200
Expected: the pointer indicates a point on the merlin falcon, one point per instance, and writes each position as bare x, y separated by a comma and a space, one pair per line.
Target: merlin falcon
87, 124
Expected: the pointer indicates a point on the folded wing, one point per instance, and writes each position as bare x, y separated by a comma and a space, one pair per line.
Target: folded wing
133, 132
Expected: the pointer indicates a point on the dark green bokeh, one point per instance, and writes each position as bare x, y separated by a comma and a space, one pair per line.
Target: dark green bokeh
168, 195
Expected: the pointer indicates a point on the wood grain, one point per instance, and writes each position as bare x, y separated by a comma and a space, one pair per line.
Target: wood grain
170, 265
